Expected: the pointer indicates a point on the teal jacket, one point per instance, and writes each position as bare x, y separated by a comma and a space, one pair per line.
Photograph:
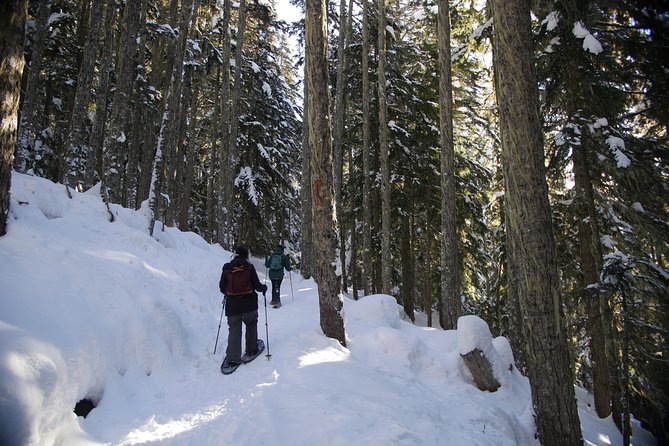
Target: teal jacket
285, 262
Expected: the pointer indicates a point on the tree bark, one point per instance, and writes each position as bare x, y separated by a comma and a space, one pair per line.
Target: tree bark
529, 231
225, 186
236, 91
214, 168
450, 296
97, 135
13, 15
76, 151
626, 422
338, 147
384, 148
353, 268
481, 370
307, 247
367, 268
590, 255
115, 149
407, 268
580, 99
178, 153
190, 106
169, 127
141, 147
427, 285
325, 240
29, 119
615, 374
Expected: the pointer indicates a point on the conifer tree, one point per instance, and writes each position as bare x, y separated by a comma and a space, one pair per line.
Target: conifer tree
12, 22
450, 296
529, 229
329, 292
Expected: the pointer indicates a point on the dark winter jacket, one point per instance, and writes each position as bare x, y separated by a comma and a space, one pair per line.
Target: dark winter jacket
246, 302
285, 262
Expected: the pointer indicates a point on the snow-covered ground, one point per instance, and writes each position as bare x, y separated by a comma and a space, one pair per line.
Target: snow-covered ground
99, 310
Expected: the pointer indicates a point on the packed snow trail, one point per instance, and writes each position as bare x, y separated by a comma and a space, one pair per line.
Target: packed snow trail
99, 310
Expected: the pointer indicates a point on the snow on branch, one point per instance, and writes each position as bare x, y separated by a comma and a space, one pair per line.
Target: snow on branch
589, 42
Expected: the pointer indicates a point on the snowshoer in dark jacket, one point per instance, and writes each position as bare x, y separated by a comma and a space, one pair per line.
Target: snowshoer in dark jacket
239, 282
276, 264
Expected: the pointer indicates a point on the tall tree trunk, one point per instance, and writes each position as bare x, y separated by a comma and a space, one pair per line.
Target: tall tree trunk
615, 373
61, 127
626, 422
178, 157
529, 231
353, 268
338, 147
450, 295
307, 246
115, 149
590, 257
407, 268
236, 93
189, 108
325, 240
29, 121
515, 326
12, 24
170, 122
76, 151
214, 166
225, 183
96, 138
367, 267
140, 160
384, 148
580, 100
427, 286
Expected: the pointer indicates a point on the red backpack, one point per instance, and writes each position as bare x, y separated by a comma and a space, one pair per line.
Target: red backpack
238, 281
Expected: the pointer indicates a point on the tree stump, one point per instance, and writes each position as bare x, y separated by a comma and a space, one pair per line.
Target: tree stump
481, 369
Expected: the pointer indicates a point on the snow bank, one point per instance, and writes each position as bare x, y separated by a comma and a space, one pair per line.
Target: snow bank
99, 310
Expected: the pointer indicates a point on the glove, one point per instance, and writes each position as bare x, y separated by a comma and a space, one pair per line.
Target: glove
264, 288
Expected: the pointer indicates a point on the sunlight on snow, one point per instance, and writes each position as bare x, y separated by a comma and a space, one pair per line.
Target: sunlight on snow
604, 439
117, 256
127, 258
153, 430
275, 375
329, 354
157, 272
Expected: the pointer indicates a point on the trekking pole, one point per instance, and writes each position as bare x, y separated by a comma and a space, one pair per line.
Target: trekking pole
219, 325
264, 295
290, 276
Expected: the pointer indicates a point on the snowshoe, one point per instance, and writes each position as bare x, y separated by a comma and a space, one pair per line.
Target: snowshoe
229, 367
250, 357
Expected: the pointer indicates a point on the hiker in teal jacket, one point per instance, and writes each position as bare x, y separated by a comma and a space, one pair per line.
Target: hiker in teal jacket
276, 264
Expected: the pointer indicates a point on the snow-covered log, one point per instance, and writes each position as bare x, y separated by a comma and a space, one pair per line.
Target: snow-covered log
476, 348
481, 370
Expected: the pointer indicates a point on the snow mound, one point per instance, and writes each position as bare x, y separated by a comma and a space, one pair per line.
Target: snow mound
102, 311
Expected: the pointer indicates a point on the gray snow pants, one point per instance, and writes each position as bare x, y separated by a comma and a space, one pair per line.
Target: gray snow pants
234, 350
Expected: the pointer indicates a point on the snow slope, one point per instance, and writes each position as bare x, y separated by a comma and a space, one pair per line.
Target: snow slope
99, 310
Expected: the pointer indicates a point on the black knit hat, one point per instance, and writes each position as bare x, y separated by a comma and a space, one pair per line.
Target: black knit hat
242, 251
